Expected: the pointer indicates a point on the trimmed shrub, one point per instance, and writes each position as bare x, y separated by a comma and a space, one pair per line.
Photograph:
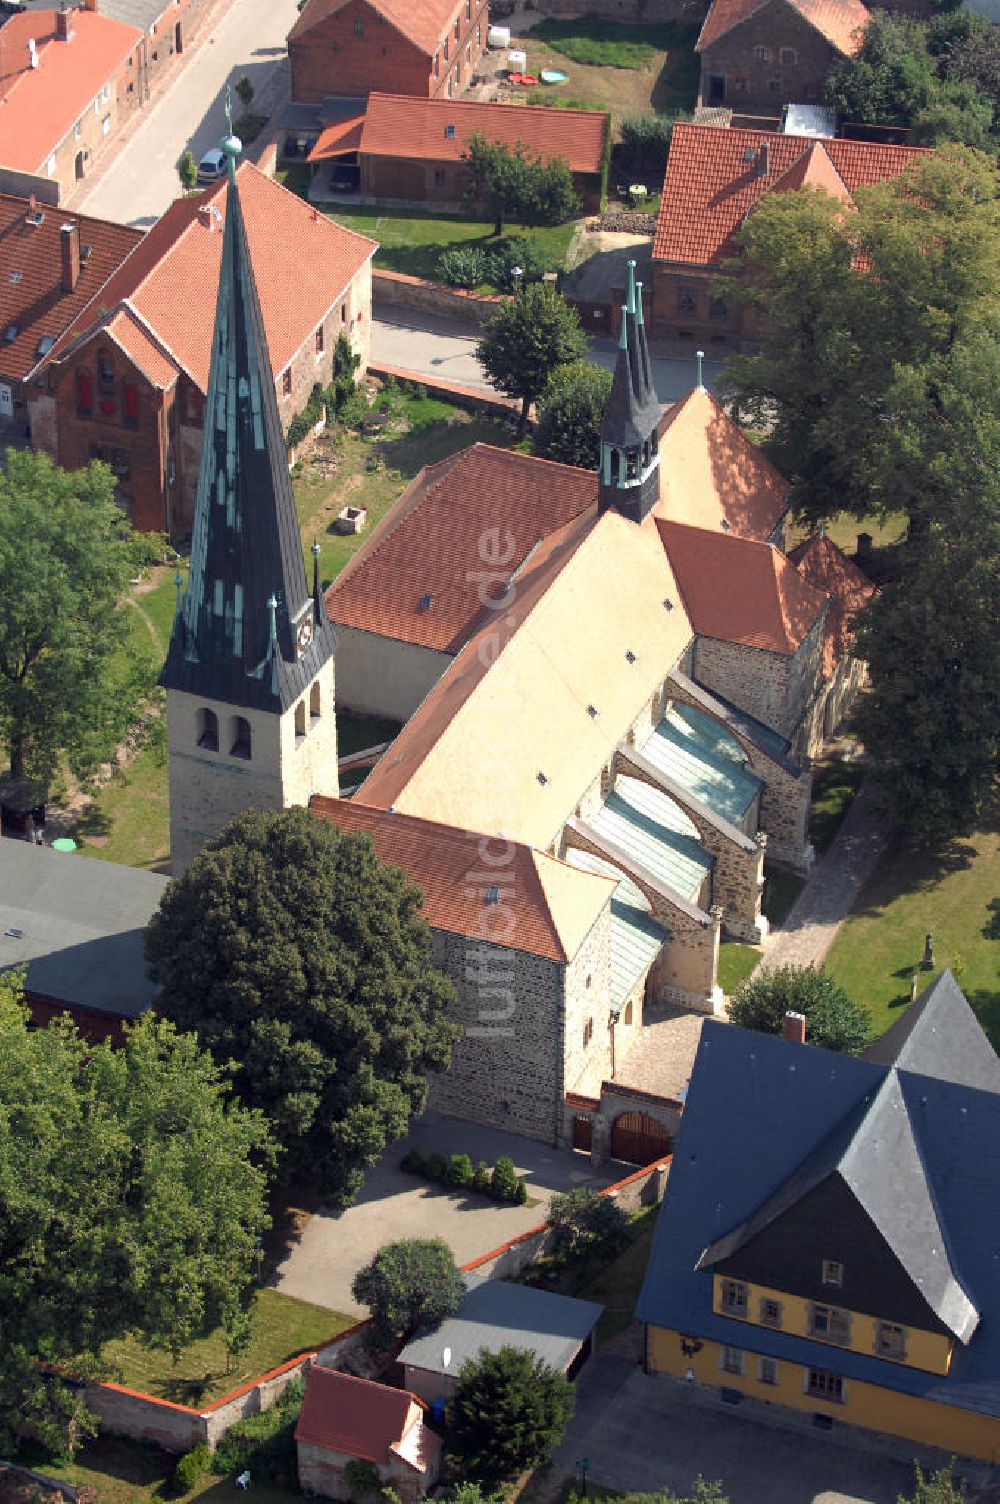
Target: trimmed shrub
436, 1167
412, 1162
463, 266
481, 1177
460, 1170
521, 1194
263, 1443
503, 1181
192, 1466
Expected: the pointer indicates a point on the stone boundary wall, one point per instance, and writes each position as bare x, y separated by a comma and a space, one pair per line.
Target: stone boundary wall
477, 399
394, 290
644, 1187
69, 1491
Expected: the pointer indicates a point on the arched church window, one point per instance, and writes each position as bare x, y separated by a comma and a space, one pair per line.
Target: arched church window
631, 464
314, 707
208, 729
239, 731
300, 720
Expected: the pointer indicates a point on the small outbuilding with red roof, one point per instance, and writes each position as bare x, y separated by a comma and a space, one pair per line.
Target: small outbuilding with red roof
346, 1419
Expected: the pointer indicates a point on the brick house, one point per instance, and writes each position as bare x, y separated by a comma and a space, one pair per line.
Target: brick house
352, 47
55, 262
128, 383
757, 55
412, 148
68, 79
714, 179
345, 1419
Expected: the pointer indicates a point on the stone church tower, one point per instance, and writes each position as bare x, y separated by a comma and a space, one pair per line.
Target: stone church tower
630, 456
249, 671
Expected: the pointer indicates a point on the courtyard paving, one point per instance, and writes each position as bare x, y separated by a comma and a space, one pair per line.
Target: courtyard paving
391, 1205
641, 1433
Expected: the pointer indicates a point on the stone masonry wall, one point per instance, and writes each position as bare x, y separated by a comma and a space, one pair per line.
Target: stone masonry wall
752, 678
587, 1037
773, 58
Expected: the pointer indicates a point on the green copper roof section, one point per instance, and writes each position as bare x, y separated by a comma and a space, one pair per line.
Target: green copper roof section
769, 740
249, 630
655, 834
636, 937
688, 747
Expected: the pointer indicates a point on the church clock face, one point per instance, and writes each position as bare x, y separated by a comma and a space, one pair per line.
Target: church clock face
303, 636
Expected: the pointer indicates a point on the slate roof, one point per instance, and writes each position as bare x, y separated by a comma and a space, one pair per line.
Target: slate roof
361, 1419
140, 13
821, 562
83, 923
764, 1118
496, 1313
303, 264
39, 106
423, 22
632, 412
417, 578
553, 907
741, 591
440, 130
237, 637
939, 1035
840, 21
711, 474
36, 302
711, 182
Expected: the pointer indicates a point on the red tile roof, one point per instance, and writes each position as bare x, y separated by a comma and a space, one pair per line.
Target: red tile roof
711, 182
431, 546
136, 339
303, 263
740, 591
35, 302
399, 126
423, 22
39, 106
361, 1419
333, 140
841, 22
822, 563
445, 863
711, 474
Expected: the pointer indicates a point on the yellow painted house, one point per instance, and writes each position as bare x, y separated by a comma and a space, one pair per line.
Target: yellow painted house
830, 1236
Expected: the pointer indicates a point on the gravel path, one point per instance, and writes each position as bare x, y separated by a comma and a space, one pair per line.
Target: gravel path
828, 896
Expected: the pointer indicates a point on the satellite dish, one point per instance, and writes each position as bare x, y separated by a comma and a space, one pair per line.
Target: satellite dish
446, 1357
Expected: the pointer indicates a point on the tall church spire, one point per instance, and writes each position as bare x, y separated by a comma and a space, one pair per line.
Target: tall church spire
249, 631
629, 476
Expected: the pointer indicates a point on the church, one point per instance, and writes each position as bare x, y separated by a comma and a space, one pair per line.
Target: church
610, 684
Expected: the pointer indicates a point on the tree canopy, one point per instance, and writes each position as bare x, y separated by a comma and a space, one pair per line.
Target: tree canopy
585, 1222
67, 553
508, 1410
526, 340
132, 1191
409, 1286
511, 184
833, 1020
570, 410
304, 964
940, 1487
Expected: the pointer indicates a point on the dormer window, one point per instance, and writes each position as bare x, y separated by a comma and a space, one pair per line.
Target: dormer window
733, 1295
833, 1272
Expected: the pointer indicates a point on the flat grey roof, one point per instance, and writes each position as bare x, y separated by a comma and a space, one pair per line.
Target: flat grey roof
495, 1314
77, 925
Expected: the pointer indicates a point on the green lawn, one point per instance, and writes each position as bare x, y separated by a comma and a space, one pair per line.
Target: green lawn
611, 44
283, 1328
953, 892
411, 241
615, 1286
737, 960
129, 1472
627, 70
129, 821
835, 783
355, 733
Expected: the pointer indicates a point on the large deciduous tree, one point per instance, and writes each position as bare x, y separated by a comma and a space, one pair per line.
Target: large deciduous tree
509, 1409
528, 338
834, 1020
409, 1286
66, 557
131, 1195
305, 962
511, 184
569, 415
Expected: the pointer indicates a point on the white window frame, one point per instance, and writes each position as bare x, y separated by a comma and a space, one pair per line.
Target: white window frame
730, 1356
775, 1369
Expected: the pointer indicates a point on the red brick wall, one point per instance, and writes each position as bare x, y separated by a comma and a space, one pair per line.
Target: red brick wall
769, 81
330, 58
685, 306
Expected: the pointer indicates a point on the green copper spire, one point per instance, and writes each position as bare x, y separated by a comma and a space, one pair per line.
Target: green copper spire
629, 470
249, 631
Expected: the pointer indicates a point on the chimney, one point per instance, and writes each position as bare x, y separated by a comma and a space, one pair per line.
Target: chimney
69, 244
795, 1028
90, 4
64, 28
32, 52
763, 160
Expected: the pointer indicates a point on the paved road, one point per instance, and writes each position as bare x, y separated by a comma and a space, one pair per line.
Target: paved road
142, 181
644, 1434
392, 1205
438, 348
828, 897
